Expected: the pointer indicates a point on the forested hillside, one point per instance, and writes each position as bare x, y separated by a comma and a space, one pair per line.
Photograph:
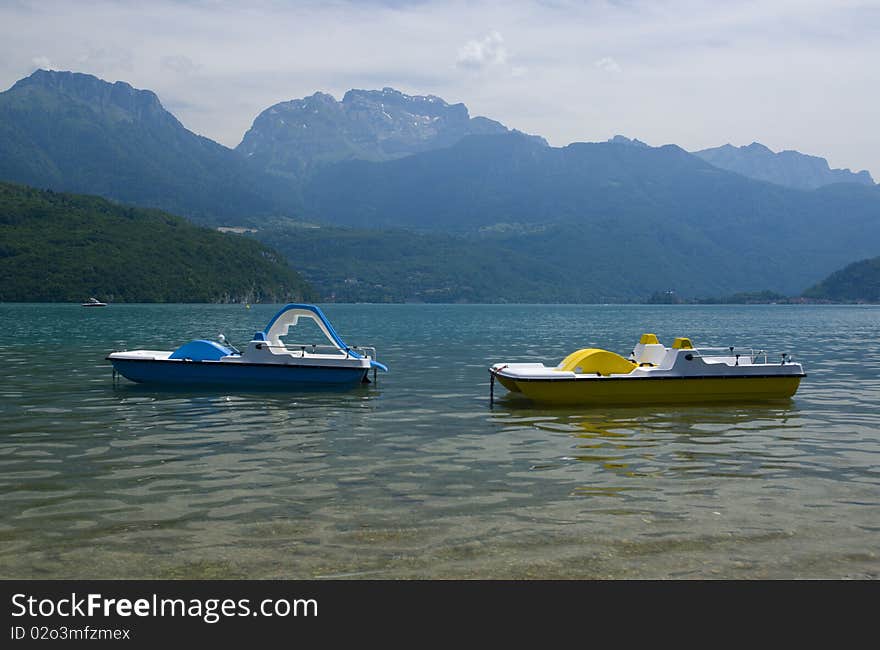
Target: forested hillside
58, 247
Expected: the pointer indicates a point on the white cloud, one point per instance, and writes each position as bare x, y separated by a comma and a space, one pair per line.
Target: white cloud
179, 64
106, 59
487, 51
793, 74
42, 62
607, 64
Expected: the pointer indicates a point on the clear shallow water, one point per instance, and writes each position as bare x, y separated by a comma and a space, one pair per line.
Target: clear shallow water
417, 477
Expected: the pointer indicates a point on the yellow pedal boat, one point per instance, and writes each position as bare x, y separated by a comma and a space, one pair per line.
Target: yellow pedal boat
654, 374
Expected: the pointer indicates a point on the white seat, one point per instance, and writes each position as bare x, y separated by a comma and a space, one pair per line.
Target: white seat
652, 353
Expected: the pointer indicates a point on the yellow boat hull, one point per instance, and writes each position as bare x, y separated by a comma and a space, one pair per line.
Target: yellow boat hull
672, 390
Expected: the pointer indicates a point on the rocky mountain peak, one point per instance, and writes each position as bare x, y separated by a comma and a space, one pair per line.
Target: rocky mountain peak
292, 137
117, 100
419, 105
755, 148
622, 139
788, 168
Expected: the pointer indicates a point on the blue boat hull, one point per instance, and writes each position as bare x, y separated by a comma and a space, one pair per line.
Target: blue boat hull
236, 374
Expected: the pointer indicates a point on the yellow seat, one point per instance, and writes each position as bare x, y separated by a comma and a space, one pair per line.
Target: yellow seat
682, 343
595, 361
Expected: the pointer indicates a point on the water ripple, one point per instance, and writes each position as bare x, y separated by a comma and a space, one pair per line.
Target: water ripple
416, 476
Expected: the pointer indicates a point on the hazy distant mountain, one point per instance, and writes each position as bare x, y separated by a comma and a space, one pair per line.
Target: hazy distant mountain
74, 132
368, 265
590, 221
788, 168
622, 139
622, 220
291, 137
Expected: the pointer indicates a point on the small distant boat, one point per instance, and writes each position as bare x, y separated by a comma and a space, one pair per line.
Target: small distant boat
654, 374
267, 361
94, 302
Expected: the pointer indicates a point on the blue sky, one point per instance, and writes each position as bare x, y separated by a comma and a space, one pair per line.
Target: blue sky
801, 75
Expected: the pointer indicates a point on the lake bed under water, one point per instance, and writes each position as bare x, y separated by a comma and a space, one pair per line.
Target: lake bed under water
418, 476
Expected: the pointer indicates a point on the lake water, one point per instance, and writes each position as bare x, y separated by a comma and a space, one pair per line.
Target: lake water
416, 476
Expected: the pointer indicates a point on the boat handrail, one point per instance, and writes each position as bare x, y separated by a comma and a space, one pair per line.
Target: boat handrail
726, 352
734, 351
366, 351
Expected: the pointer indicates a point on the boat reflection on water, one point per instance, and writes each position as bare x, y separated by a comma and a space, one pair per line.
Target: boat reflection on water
181, 415
650, 447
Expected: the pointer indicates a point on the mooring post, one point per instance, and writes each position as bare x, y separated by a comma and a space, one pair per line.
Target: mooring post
491, 388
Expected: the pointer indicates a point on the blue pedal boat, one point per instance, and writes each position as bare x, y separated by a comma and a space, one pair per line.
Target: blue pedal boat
267, 361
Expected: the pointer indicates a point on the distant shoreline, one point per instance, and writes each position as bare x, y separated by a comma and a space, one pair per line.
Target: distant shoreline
681, 303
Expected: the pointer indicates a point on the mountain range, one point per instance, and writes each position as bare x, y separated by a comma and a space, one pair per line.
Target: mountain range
72, 132
788, 168
290, 138
617, 220
493, 214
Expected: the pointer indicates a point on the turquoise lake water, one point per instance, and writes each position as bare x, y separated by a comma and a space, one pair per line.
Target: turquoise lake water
417, 476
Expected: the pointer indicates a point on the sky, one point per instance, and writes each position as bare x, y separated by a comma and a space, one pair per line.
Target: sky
791, 74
